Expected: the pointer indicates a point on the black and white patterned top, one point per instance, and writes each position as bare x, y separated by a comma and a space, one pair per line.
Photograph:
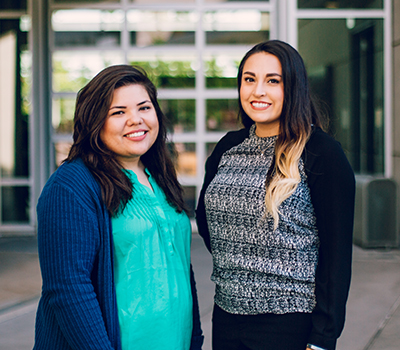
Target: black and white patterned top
258, 269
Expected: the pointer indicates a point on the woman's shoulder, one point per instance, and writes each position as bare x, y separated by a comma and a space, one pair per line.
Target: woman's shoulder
73, 176
236, 134
325, 154
232, 138
229, 140
320, 143
71, 171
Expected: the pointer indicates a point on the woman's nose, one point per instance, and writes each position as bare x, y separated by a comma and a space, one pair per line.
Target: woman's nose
134, 119
260, 89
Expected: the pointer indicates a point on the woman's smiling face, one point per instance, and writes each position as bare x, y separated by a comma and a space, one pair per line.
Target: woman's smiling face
262, 92
131, 127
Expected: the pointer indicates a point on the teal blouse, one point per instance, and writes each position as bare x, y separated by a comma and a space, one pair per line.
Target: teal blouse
152, 271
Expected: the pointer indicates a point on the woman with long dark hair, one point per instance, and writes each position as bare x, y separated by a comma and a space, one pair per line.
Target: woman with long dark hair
276, 211
113, 234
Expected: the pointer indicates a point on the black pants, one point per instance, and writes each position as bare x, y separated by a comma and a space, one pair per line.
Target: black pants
260, 332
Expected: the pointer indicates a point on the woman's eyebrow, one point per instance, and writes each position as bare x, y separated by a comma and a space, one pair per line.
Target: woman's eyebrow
139, 104
268, 75
143, 102
117, 107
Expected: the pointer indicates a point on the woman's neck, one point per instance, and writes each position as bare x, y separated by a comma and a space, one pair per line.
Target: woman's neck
139, 169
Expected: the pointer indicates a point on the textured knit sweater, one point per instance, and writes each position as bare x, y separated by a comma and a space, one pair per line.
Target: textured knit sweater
77, 309
259, 269
332, 189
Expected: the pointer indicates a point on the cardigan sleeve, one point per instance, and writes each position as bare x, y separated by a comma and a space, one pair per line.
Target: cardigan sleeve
332, 187
68, 240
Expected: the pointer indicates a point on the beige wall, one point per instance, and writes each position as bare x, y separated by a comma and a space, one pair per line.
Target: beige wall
396, 97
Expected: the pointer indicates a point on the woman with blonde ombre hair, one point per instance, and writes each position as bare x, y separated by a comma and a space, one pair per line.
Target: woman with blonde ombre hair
276, 211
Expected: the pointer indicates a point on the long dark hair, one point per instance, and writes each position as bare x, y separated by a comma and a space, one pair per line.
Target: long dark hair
92, 105
299, 114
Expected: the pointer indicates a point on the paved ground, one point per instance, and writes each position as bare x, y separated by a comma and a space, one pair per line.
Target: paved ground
373, 315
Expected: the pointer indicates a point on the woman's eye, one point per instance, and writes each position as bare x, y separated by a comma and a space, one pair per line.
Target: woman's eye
248, 79
118, 113
274, 81
144, 108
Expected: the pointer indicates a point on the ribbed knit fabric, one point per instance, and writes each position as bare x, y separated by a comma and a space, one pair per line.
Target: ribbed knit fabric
78, 308
258, 269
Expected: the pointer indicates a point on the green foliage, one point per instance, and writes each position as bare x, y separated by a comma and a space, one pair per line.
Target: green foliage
181, 114
64, 80
169, 74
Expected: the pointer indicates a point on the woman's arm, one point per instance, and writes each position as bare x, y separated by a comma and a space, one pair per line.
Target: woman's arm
68, 240
201, 217
332, 187
197, 333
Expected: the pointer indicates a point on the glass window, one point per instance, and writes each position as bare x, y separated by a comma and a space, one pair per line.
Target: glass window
15, 204
181, 114
222, 115
13, 5
15, 83
168, 71
15, 110
161, 27
160, 2
219, 1
73, 69
99, 28
221, 70
210, 148
187, 160
346, 73
236, 26
340, 4
61, 151
63, 110
84, 1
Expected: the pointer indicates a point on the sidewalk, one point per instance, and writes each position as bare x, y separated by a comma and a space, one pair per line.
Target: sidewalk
373, 312
19, 271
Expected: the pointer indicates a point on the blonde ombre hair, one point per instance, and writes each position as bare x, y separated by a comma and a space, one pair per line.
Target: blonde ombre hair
284, 177
299, 115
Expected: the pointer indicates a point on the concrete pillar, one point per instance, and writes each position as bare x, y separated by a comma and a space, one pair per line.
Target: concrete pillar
396, 96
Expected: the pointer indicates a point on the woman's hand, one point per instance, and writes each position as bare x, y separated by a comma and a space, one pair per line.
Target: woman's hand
313, 347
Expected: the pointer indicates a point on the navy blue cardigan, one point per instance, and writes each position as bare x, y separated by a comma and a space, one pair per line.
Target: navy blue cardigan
78, 309
332, 187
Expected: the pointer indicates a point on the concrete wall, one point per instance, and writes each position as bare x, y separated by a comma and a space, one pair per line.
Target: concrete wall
396, 98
